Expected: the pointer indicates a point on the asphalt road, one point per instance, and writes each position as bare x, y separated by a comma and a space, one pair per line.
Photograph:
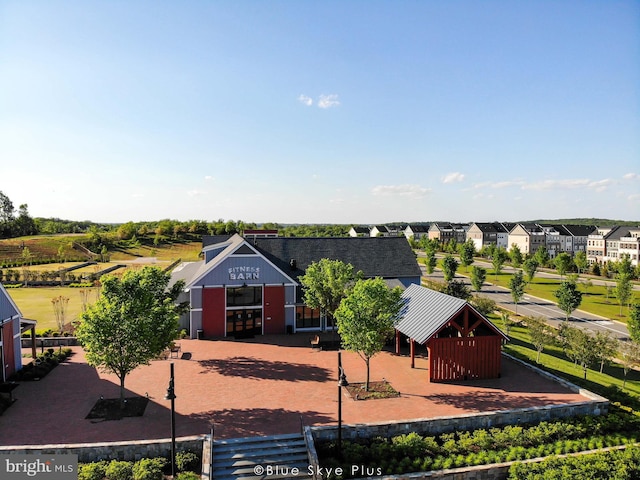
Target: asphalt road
533, 306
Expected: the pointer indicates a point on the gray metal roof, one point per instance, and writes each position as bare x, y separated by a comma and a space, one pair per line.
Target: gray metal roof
425, 311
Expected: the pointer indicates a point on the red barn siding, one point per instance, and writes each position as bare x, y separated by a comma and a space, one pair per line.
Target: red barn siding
464, 358
213, 312
273, 318
7, 349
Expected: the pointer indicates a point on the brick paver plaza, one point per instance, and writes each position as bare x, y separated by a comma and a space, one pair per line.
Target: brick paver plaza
253, 387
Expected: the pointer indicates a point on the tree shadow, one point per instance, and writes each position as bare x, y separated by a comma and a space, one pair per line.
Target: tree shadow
486, 401
247, 367
250, 422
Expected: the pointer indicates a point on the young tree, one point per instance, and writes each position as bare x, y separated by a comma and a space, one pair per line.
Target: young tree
499, 257
467, 250
563, 263
484, 305
366, 317
606, 348
629, 357
587, 285
540, 334
530, 267
516, 285
569, 298
134, 321
515, 254
449, 267
458, 289
507, 322
60, 310
581, 346
430, 261
325, 284
624, 289
542, 256
580, 260
478, 276
633, 325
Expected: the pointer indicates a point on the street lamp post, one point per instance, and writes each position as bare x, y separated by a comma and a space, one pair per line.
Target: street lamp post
172, 396
342, 382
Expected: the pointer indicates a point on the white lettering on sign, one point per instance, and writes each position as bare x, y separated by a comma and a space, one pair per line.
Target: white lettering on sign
244, 273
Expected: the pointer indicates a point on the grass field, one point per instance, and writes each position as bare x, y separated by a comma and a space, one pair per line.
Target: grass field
35, 303
555, 361
594, 299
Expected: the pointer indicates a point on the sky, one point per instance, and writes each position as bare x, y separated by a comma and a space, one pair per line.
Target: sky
343, 112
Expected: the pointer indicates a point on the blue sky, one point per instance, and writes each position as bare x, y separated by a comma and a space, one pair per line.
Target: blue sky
321, 111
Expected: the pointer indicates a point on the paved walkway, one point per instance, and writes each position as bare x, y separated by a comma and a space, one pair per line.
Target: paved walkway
253, 387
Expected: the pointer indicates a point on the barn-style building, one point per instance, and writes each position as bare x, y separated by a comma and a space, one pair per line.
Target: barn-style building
462, 344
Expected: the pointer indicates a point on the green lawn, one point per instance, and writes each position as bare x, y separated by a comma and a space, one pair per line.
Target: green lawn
594, 299
35, 303
554, 360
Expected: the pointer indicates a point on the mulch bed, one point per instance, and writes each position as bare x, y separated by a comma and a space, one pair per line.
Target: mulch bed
110, 408
377, 390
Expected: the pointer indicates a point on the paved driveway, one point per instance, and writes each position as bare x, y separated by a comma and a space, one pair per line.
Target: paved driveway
253, 387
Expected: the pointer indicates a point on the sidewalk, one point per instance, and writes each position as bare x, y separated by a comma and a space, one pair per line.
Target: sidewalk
250, 387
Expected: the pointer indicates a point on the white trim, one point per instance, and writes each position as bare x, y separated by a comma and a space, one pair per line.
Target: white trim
196, 309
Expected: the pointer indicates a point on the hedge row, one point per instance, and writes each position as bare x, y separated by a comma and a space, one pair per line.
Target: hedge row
413, 452
612, 465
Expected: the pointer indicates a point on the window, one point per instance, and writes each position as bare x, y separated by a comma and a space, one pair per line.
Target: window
244, 296
307, 317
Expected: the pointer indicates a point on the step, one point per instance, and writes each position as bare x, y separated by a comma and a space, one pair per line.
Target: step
238, 440
261, 460
245, 447
281, 471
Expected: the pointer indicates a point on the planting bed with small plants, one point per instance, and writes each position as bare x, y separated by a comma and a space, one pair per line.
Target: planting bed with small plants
416, 453
42, 365
188, 466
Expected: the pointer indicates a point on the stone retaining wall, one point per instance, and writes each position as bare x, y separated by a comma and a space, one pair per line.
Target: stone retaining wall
129, 451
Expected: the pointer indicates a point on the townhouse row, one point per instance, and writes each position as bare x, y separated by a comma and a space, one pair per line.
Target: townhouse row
601, 244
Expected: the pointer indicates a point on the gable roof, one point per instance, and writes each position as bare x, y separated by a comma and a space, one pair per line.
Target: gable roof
8, 308
426, 311
386, 257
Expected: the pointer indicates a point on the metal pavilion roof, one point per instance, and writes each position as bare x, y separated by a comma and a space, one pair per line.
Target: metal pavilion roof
426, 311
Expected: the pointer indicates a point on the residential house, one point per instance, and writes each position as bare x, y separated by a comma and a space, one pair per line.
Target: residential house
630, 245
358, 231
528, 237
485, 234
597, 244
416, 231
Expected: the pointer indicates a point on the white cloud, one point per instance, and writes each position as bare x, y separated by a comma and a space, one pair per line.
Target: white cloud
507, 183
406, 190
208, 177
634, 197
453, 177
137, 195
195, 193
328, 101
597, 185
303, 99
631, 176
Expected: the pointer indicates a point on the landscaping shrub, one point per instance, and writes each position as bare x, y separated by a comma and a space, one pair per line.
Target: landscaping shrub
412, 452
119, 470
613, 465
187, 476
187, 462
92, 471
149, 469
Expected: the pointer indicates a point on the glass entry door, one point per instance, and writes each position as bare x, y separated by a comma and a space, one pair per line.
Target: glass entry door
244, 323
